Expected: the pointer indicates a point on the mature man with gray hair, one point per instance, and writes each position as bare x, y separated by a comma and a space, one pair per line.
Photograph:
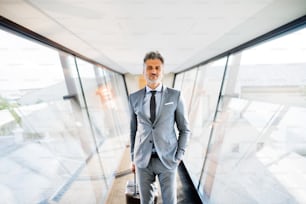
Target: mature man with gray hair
156, 150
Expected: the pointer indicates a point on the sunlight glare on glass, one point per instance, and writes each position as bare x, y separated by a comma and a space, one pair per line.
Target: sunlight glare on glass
27, 65
289, 49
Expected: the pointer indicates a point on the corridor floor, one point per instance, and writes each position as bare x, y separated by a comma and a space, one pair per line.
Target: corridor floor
186, 191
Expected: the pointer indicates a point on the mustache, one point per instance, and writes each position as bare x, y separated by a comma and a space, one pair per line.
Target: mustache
153, 80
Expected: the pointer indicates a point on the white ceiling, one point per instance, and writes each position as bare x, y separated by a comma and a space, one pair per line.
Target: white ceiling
118, 33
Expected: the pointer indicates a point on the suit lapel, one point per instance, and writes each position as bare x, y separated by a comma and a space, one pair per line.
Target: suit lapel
141, 96
163, 98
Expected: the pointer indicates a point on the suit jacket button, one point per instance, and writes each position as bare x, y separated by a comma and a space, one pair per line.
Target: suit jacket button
153, 127
150, 141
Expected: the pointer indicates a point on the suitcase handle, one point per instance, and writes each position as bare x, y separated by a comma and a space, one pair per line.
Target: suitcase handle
135, 191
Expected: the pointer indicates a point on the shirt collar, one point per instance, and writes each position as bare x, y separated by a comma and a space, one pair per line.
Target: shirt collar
158, 89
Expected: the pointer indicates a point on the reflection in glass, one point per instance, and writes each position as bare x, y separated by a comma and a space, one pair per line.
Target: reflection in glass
55, 141
39, 148
257, 153
201, 114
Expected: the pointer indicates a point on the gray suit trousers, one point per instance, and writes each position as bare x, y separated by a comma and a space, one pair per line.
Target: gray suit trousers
167, 179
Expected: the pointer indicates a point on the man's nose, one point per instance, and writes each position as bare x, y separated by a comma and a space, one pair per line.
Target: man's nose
154, 70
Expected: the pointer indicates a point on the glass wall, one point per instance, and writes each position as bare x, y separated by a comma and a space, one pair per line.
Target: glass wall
247, 117
187, 85
202, 108
58, 135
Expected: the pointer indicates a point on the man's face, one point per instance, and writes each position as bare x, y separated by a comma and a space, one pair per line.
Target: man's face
153, 71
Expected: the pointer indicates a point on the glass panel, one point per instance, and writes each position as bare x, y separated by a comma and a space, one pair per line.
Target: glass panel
102, 104
40, 148
54, 142
188, 85
178, 81
85, 177
202, 111
257, 154
93, 84
119, 109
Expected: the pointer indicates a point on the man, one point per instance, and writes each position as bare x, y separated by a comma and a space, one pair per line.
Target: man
156, 150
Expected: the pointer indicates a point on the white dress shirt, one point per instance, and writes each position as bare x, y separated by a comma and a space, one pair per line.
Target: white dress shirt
147, 98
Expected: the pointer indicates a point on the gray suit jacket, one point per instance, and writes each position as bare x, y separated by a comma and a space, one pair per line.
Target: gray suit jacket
169, 147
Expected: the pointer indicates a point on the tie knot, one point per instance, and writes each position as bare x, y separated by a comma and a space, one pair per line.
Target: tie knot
153, 93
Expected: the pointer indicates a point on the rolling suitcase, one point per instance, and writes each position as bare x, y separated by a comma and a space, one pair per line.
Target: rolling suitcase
132, 193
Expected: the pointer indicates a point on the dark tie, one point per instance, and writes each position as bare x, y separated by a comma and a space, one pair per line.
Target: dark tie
152, 107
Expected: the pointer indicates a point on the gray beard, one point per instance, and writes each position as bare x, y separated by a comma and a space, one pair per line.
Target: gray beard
154, 81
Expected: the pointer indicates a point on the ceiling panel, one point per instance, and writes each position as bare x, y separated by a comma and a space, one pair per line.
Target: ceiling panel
117, 33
